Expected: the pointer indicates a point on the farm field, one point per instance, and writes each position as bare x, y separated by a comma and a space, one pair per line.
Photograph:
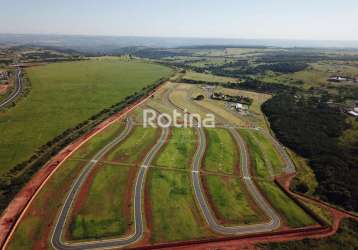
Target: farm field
63, 95
191, 75
174, 215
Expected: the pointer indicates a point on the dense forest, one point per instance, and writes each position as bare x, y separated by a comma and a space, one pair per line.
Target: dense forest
309, 126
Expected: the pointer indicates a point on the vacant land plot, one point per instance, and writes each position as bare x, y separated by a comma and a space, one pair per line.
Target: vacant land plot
174, 213
293, 214
65, 94
270, 152
90, 148
229, 201
179, 151
190, 75
105, 211
222, 155
134, 147
258, 161
34, 230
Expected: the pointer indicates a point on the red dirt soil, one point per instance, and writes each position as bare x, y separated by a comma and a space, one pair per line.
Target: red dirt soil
17, 207
3, 88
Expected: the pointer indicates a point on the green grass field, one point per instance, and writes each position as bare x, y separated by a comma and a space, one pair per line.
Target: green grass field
230, 201
134, 147
62, 96
179, 151
270, 152
294, 215
221, 155
34, 230
191, 75
103, 212
256, 155
90, 148
174, 213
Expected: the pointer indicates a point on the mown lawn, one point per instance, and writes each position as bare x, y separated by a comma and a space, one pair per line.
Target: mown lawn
222, 155
134, 147
230, 201
102, 213
179, 151
34, 230
65, 94
174, 213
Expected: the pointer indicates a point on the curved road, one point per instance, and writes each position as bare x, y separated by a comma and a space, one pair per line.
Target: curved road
200, 196
16, 92
56, 239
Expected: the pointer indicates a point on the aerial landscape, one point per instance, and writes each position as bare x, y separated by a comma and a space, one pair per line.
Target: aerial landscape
164, 134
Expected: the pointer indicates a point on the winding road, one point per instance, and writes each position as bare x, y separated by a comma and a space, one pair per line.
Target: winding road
200, 195
17, 91
56, 239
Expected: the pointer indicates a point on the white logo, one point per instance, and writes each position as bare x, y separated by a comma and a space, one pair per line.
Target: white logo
187, 120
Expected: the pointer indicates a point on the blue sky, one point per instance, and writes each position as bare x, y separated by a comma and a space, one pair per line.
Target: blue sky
285, 19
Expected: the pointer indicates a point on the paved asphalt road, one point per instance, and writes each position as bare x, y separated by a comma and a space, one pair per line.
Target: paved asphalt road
274, 222
16, 92
138, 213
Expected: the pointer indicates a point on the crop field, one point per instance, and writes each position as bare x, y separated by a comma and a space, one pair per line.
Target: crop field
174, 215
35, 228
134, 147
63, 95
179, 151
230, 202
191, 75
105, 211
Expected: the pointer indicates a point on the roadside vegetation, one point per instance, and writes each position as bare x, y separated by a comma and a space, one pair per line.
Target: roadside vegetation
345, 238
